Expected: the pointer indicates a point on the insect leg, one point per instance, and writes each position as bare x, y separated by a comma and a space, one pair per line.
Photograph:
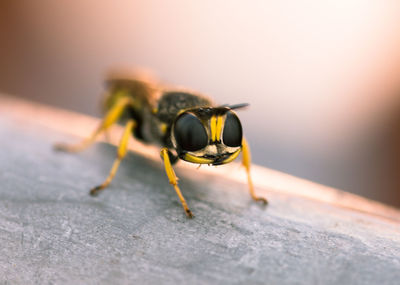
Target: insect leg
174, 180
246, 161
122, 149
111, 117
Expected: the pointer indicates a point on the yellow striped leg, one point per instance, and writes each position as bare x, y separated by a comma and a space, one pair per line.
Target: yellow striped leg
111, 117
246, 161
174, 180
122, 150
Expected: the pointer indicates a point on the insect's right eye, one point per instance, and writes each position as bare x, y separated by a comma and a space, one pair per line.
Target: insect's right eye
232, 130
189, 132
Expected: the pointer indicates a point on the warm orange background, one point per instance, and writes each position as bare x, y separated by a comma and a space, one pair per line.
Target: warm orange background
322, 77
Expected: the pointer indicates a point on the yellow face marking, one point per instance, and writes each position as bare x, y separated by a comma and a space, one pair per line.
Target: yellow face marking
216, 127
213, 127
219, 127
195, 159
232, 157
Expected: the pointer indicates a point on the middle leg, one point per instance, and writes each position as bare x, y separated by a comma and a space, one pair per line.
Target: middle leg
174, 180
122, 150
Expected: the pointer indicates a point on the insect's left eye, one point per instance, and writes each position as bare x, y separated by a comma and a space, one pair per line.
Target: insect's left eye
232, 135
190, 133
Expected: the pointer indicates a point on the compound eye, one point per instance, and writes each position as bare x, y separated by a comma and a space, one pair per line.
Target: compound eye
232, 135
190, 133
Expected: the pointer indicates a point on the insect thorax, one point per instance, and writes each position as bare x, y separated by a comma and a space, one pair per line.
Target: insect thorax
169, 105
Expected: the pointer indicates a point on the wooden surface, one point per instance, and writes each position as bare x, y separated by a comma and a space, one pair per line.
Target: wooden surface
52, 231
79, 126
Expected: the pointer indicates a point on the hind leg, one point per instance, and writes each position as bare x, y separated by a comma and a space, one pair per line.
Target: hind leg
111, 118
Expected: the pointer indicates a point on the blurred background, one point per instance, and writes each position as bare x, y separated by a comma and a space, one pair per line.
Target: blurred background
322, 77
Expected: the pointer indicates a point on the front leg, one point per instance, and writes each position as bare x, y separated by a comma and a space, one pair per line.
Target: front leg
174, 180
246, 161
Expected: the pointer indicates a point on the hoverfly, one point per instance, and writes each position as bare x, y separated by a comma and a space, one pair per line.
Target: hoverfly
185, 124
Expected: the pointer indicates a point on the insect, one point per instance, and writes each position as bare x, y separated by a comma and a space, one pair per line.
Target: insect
185, 124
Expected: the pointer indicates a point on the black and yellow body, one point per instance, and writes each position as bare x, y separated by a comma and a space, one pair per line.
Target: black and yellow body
185, 124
